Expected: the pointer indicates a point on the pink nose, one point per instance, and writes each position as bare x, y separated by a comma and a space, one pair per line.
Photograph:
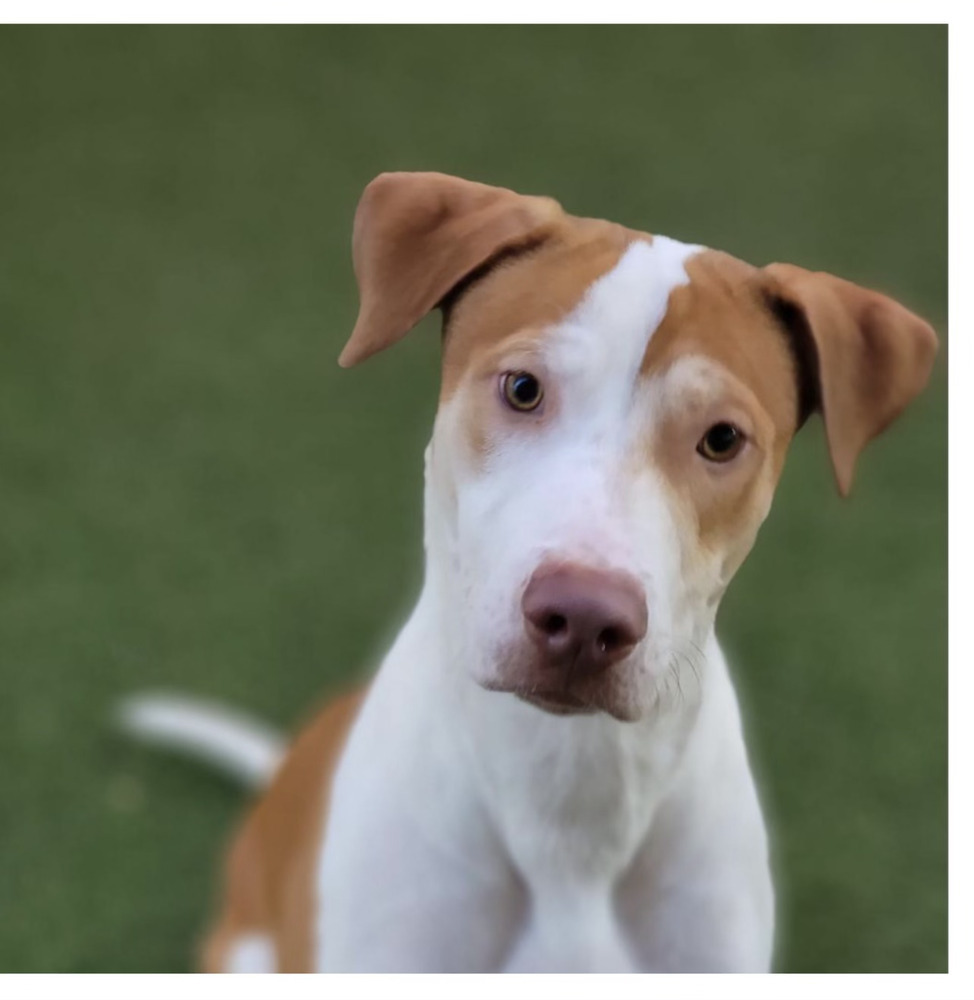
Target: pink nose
581, 618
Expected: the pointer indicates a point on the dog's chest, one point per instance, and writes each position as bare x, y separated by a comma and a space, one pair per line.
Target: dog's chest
502, 866
492, 844
574, 825
573, 799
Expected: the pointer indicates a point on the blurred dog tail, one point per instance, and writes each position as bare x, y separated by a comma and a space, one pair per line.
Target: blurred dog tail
233, 742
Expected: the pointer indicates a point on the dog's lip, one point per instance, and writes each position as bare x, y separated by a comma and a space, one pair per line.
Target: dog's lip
556, 701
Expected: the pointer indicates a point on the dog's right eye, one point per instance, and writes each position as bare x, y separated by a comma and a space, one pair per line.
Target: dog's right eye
521, 391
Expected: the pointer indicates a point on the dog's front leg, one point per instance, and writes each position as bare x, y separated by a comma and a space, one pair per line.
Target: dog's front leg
698, 896
574, 932
412, 876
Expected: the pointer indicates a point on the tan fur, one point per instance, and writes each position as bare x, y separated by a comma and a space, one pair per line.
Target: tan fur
417, 235
505, 314
720, 316
518, 301
874, 356
269, 879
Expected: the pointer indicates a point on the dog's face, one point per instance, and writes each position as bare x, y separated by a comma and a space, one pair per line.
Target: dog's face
611, 457
614, 417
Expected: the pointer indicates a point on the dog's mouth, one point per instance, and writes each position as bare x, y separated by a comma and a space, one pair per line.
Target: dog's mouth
552, 700
565, 699
556, 702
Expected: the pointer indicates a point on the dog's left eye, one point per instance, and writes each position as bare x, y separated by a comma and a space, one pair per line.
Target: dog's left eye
521, 391
721, 443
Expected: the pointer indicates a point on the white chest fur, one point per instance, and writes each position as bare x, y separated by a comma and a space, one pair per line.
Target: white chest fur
474, 832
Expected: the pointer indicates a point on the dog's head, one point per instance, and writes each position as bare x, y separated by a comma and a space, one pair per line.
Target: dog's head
614, 416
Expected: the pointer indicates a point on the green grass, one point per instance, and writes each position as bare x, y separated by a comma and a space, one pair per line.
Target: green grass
193, 495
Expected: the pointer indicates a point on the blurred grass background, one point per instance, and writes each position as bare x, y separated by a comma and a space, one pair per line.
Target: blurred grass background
192, 495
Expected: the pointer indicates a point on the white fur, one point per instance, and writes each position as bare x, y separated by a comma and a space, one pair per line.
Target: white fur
470, 831
251, 953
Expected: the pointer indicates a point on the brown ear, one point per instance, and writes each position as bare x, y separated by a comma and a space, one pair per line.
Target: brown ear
416, 236
870, 356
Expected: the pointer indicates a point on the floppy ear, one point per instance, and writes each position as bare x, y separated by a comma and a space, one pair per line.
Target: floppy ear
868, 356
417, 235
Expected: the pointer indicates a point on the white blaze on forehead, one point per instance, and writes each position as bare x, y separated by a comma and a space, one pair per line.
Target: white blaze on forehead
613, 324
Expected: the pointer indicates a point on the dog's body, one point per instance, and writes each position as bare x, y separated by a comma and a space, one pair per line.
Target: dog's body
548, 772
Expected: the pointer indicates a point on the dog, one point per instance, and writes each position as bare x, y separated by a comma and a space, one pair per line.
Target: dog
548, 772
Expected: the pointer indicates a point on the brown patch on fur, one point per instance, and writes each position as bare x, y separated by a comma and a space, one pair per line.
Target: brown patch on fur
722, 316
512, 306
419, 235
531, 292
871, 356
269, 877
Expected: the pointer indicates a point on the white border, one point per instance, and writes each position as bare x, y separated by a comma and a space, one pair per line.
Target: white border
475, 987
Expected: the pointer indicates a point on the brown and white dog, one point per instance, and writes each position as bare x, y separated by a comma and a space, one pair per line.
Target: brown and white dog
548, 771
